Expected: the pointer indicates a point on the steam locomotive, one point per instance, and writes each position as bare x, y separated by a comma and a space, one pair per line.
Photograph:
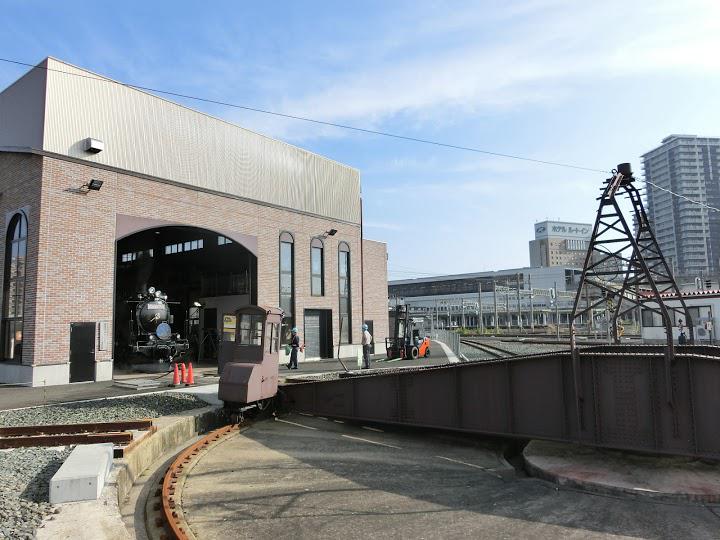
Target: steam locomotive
150, 333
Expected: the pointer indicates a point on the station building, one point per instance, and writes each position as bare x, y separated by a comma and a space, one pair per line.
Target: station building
106, 190
516, 297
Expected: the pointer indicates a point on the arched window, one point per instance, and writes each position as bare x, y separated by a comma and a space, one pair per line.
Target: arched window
287, 283
14, 287
317, 268
344, 291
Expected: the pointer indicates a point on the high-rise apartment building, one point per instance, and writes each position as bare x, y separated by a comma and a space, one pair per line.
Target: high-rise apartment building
688, 233
559, 243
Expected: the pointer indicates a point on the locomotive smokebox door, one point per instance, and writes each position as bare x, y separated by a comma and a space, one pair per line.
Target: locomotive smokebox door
252, 374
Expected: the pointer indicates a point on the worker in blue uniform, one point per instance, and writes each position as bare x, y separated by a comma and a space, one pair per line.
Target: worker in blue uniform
294, 347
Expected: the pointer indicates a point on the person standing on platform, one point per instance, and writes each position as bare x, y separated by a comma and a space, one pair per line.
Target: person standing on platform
366, 344
682, 338
294, 347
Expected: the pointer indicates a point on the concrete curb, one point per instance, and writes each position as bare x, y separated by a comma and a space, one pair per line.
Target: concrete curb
172, 432
604, 486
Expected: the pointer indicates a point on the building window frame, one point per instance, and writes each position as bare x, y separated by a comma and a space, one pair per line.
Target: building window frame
345, 292
317, 267
286, 273
14, 287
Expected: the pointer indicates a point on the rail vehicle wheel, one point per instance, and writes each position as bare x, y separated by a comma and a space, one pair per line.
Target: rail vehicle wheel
236, 417
414, 353
264, 404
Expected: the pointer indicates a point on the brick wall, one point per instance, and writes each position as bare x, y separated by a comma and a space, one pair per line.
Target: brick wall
76, 259
20, 179
376, 290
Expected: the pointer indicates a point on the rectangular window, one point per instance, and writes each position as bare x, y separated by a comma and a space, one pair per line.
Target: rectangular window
316, 272
344, 295
250, 329
287, 282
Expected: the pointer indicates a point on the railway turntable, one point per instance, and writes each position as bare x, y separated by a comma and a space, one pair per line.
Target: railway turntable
298, 476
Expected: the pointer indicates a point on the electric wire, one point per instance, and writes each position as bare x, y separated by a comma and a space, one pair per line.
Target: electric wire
311, 120
347, 127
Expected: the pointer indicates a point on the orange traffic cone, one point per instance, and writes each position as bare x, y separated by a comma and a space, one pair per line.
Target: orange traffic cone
176, 375
190, 377
184, 373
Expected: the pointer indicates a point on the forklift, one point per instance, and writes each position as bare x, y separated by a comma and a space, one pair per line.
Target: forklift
405, 341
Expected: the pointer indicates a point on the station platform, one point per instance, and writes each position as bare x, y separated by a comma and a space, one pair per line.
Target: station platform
299, 476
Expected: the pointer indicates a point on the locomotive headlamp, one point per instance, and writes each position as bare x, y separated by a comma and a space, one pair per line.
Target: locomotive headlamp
151, 290
157, 294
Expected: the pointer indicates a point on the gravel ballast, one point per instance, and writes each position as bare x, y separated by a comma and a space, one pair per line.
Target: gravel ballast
104, 410
25, 473
24, 483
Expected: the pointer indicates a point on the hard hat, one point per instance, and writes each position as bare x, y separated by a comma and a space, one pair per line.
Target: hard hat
365, 327
294, 330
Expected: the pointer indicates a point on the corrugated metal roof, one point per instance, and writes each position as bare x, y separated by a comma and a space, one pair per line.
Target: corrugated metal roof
155, 137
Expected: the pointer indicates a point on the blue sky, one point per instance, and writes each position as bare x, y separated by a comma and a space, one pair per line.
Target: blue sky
587, 83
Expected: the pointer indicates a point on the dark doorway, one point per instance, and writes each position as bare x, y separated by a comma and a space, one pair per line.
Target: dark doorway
209, 341
199, 270
82, 352
318, 333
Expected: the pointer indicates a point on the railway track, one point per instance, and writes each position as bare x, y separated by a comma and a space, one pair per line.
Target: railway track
171, 523
495, 352
118, 433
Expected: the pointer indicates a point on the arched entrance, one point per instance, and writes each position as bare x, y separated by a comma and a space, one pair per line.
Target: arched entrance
206, 276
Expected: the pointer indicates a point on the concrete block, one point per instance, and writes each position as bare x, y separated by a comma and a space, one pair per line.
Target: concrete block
82, 476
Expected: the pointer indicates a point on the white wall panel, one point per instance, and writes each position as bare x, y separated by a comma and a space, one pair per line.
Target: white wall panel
156, 137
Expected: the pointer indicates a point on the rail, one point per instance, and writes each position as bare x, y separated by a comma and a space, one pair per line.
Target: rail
492, 350
172, 513
66, 434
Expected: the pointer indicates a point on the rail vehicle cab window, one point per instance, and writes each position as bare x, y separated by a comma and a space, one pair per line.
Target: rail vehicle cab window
251, 327
272, 338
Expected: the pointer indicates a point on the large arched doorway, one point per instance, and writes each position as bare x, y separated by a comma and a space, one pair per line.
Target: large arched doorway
206, 277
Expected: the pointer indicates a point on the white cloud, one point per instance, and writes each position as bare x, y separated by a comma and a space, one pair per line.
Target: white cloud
541, 53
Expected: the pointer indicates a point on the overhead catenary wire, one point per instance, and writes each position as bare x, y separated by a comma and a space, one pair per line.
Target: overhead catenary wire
344, 126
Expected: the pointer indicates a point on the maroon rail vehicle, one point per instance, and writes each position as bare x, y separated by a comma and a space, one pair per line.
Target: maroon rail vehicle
251, 377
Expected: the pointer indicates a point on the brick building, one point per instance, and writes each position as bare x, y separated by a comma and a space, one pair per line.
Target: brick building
214, 215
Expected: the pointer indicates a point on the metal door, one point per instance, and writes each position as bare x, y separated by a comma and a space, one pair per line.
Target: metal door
82, 351
312, 333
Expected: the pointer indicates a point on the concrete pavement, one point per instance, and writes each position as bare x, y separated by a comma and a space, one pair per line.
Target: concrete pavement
306, 477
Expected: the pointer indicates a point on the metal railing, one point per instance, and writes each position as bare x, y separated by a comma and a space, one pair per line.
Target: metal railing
451, 339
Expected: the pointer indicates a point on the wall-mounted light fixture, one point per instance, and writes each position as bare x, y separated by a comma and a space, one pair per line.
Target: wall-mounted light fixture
92, 185
331, 232
93, 146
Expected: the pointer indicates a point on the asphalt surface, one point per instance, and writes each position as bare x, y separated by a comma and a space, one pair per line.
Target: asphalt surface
12, 397
307, 477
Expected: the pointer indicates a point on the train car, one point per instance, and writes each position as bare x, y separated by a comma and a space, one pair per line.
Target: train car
250, 379
151, 335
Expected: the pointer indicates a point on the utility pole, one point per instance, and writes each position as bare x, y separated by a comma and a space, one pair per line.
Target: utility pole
519, 309
557, 313
481, 323
462, 313
495, 302
508, 317
532, 309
